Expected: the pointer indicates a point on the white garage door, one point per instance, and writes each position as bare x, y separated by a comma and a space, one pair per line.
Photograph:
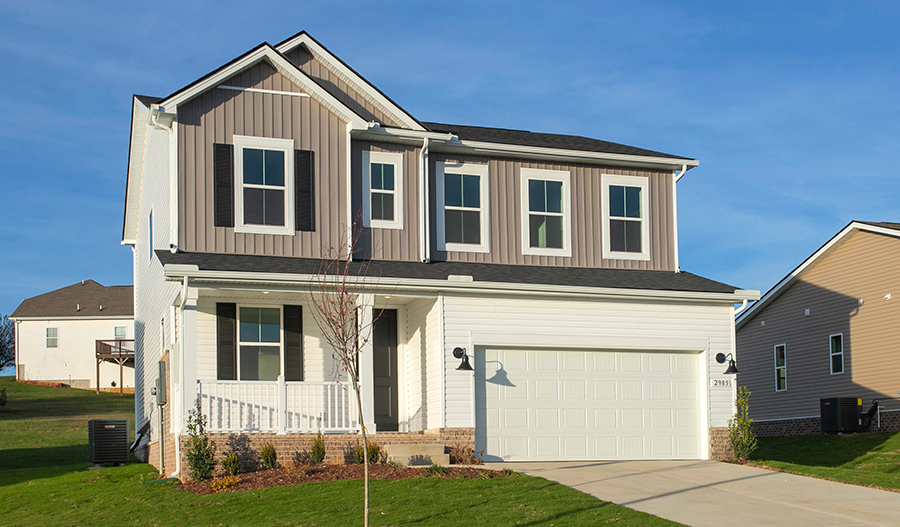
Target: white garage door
576, 405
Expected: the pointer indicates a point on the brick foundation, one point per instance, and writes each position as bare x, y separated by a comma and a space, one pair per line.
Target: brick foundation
890, 422
720, 445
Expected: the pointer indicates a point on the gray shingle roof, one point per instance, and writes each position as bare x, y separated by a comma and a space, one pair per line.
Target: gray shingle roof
536, 139
117, 300
480, 272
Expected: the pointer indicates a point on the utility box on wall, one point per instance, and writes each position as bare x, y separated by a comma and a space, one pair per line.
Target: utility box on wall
840, 414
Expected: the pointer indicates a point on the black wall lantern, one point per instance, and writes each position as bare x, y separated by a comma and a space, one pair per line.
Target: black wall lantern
732, 367
460, 353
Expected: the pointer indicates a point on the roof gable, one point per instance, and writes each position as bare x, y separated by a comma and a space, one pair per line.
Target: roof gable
84, 299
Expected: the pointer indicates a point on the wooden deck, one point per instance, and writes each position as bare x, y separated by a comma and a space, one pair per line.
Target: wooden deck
119, 351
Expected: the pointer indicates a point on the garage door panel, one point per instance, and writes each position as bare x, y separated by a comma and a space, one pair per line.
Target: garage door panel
573, 361
574, 390
660, 418
606, 418
604, 361
606, 447
547, 447
659, 363
661, 391
633, 447
631, 363
632, 418
661, 446
605, 390
546, 390
515, 418
575, 447
631, 390
574, 418
545, 361
546, 418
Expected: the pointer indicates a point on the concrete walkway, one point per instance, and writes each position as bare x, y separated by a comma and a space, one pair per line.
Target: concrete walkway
709, 493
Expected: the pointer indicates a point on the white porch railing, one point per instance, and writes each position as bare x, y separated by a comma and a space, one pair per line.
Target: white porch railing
278, 406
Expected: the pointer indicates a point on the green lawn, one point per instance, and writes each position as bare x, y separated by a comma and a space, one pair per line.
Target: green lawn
43, 481
862, 459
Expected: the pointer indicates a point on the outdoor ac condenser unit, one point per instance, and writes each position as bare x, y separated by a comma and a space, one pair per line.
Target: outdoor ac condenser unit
108, 439
840, 414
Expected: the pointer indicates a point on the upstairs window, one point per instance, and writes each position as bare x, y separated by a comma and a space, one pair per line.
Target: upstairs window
263, 185
52, 337
626, 228
383, 188
546, 217
836, 351
462, 220
780, 368
119, 332
259, 342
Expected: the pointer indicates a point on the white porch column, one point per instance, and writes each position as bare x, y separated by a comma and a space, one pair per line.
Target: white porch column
366, 361
188, 360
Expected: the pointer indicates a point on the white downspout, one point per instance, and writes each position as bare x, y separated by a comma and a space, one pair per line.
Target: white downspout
349, 197
184, 291
743, 307
675, 213
424, 228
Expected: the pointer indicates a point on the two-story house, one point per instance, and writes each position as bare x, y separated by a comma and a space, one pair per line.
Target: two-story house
551, 261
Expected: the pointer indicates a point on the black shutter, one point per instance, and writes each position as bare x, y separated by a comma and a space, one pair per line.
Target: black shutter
226, 341
293, 343
223, 167
304, 180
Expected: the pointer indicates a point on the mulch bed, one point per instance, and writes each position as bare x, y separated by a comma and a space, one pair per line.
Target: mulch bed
43, 383
311, 473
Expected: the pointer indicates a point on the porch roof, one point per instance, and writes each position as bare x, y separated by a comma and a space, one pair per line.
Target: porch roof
480, 272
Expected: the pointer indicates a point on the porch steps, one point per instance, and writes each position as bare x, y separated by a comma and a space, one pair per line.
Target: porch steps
418, 454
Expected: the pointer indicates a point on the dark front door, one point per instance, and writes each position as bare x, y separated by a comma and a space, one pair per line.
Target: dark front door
384, 349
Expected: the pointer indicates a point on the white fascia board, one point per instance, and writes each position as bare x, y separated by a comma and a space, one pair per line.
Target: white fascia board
95, 317
448, 143
804, 267
370, 90
293, 281
284, 66
139, 114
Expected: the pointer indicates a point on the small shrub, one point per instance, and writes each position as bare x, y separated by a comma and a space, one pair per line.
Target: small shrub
224, 483
510, 473
201, 451
268, 455
436, 470
374, 453
231, 464
484, 475
465, 455
740, 432
317, 450
2, 397
391, 463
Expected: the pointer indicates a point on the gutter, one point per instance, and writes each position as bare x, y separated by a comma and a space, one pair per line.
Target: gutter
424, 228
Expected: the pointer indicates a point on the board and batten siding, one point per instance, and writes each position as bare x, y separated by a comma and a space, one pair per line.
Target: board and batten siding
343, 89
863, 267
215, 117
506, 222
478, 322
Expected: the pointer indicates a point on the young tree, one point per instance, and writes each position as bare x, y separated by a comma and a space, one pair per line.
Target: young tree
740, 429
339, 309
7, 342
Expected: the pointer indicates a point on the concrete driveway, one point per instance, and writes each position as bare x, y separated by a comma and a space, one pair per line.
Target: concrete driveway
715, 494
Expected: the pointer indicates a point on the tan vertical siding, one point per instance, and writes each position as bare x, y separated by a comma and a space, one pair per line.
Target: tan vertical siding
342, 87
506, 223
216, 116
862, 267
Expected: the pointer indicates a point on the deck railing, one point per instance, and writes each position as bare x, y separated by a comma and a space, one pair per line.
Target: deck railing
278, 406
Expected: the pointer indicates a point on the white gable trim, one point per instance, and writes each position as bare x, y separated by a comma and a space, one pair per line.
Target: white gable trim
807, 264
370, 90
283, 66
139, 114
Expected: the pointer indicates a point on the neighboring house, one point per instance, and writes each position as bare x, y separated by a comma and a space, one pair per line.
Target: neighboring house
827, 329
59, 335
552, 260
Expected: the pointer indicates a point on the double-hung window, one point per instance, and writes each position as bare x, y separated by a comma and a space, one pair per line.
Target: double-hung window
546, 218
383, 185
119, 332
780, 368
625, 208
836, 351
259, 343
52, 335
264, 169
462, 221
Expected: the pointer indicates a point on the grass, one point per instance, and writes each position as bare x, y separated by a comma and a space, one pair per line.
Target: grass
872, 460
54, 489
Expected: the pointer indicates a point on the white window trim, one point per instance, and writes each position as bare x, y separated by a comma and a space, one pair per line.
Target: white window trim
150, 236
468, 169
606, 180
125, 336
546, 175
265, 143
386, 158
48, 337
832, 354
239, 342
777, 367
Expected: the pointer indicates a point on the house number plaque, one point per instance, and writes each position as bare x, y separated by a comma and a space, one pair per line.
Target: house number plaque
720, 383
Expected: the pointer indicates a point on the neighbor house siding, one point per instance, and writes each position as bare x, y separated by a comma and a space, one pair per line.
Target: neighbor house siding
863, 267
506, 221
215, 117
344, 89
473, 322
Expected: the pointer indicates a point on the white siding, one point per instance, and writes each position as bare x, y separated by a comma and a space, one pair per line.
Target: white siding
582, 324
417, 351
153, 296
73, 361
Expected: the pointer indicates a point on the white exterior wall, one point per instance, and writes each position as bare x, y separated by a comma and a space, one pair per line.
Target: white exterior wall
153, 296
422, 371
523, 323
75, 357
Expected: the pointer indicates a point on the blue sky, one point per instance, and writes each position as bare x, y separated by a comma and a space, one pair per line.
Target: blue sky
791, 107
